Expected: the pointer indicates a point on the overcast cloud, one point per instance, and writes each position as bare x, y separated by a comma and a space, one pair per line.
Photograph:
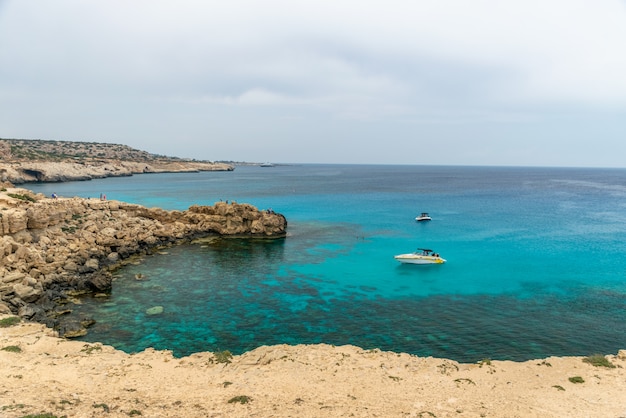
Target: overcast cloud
480, 82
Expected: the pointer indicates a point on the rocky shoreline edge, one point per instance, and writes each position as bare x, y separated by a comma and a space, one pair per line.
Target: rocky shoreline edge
54, 249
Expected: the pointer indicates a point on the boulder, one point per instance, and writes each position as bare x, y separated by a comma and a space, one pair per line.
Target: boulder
27, 293
13, 276
92, 264
4, 309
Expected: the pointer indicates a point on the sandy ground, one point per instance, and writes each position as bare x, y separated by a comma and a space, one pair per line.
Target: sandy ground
40, 373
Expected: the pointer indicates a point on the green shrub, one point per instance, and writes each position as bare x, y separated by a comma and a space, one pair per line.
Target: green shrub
599, 360
104, 406
87, 348
21, 197
241, 399
222, 356
12, 349
13, 407
9, 322
576, 379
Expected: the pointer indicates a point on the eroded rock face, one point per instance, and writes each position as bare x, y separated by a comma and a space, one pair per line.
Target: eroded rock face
74, 244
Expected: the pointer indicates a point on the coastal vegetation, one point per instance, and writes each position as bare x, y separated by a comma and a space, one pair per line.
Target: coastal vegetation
90, 348
24, 197
12, 349
104, 407
9, 321
50, 150
599, 360
44, 415
243, 399
223, 356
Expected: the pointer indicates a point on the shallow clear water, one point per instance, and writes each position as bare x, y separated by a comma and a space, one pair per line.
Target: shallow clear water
536, 262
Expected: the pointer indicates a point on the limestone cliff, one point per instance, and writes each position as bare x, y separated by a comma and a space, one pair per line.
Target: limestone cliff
52, 171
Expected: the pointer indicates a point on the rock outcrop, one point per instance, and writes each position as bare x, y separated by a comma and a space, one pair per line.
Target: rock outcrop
51, 248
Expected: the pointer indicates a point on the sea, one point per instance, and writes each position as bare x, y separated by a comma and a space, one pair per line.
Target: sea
536, 262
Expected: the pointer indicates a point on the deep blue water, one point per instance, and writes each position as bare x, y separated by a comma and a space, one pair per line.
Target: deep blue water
536, 262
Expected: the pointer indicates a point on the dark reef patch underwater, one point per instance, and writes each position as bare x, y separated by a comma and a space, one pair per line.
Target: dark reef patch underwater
535, 263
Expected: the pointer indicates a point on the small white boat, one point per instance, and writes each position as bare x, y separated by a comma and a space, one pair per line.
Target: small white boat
421, 256
423, 217
267, 165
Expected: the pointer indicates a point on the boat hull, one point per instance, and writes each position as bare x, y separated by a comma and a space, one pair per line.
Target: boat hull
419, 259
423, 217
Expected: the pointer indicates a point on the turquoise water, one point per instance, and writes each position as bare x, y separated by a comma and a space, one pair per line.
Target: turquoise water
536, 262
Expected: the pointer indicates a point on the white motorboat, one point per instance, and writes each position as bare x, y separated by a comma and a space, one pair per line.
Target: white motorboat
423, 217
421, 256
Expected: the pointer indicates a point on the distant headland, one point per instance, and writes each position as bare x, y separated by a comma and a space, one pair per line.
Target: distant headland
33, 160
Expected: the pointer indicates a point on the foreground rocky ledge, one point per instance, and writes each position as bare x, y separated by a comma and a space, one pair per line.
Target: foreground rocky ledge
53, 248
43, 374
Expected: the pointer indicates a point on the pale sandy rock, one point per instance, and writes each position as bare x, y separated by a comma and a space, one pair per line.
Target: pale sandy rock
92, 264
26, 293
35, 274
13, 276
113, 257
13, 221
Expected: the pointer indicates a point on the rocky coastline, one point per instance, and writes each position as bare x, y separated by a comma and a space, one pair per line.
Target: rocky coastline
28, 161
56, 248
62, 171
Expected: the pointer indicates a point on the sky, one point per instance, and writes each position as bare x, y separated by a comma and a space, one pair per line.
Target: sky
445, 82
